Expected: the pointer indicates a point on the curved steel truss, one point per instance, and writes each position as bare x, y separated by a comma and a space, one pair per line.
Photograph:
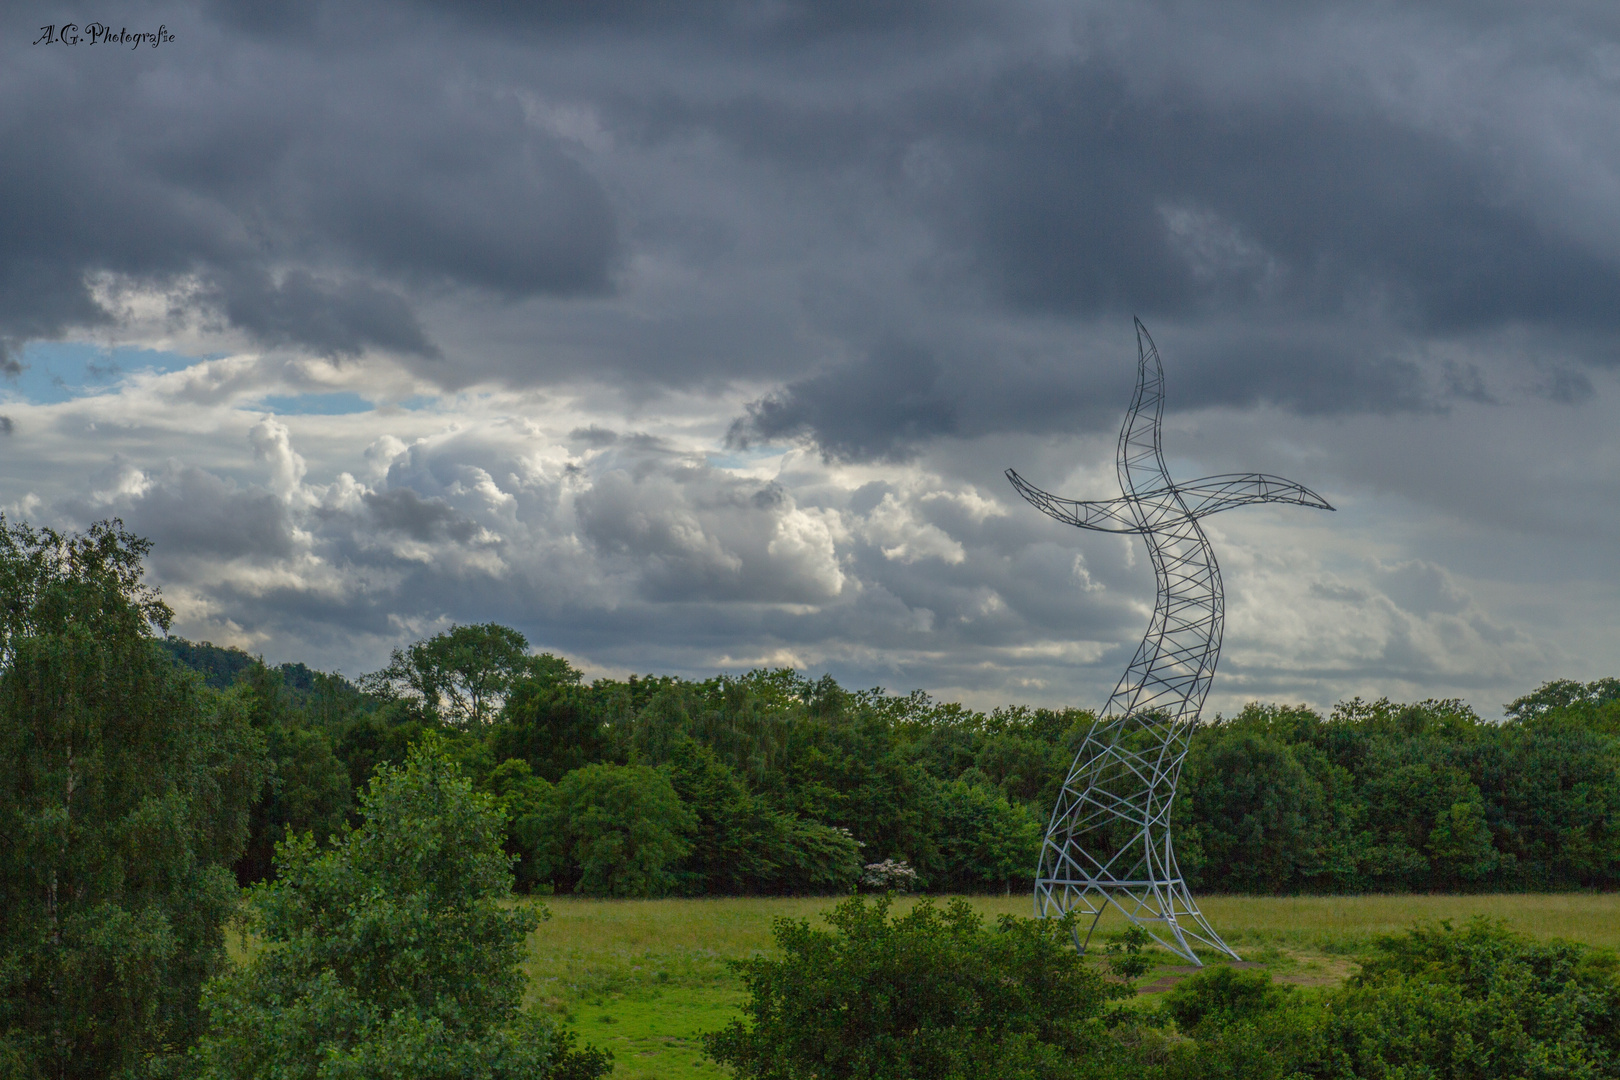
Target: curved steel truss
1108, 842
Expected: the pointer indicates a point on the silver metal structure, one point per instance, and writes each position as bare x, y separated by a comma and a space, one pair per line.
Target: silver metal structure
1108, 842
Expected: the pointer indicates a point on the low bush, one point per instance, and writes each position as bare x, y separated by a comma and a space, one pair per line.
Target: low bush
931, 994
1480, 1003
1221, 996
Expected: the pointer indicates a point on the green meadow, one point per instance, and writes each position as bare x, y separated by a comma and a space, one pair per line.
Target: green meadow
645, 977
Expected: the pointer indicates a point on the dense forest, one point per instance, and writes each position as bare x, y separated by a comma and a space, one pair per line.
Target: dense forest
770, 782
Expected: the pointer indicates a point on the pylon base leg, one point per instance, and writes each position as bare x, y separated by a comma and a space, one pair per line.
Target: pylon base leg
1165, 909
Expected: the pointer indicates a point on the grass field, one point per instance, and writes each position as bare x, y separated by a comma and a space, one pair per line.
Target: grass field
644, 977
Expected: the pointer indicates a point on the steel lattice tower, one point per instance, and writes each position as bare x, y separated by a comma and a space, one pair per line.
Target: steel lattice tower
1109, 838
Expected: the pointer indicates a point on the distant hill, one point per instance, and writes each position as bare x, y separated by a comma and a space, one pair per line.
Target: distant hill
221, 666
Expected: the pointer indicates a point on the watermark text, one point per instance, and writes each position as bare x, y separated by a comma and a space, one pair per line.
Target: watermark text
100, 34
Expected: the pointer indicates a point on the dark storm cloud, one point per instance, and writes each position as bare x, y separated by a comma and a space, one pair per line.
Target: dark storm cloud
910, 233
269, 18
1086, 195
760, 22
893, 401
1564, 384
1013, 182
1072, 187
1306, 371
594, 436
1301, 243
877, 408
311, 195
330, 319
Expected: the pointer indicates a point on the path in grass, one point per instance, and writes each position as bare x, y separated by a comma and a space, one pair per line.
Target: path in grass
646, 977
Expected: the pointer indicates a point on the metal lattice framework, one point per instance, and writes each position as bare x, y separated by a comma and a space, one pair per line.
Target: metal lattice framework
1108, 842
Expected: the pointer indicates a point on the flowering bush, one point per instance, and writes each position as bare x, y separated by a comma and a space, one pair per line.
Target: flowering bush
890, 875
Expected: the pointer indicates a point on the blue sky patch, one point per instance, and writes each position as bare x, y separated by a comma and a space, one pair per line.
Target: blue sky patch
742, 459
340, 403
56, 371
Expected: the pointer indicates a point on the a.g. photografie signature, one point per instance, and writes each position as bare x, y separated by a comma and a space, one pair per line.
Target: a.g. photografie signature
100, 34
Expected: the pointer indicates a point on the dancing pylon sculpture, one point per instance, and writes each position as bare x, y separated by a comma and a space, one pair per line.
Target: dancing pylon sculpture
1109, 838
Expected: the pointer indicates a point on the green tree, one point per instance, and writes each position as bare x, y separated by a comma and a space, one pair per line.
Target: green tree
841, 765
983, 839
530, 806
741, 845
307, 789
946, 751
1263, 813
807, 856
1554, 789
555, 725
124, 791
219, 666
1570, 701
390, 953
460, 677
380, 738
930, 994
726, 855
1428, 822
621, 829
1026, 768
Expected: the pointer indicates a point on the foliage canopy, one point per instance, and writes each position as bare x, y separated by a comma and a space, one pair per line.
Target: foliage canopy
124, 792
389, 953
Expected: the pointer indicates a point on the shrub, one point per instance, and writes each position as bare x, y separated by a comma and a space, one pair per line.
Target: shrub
1125, 956
1220, 995
890, 875
1480, 1003
930, 994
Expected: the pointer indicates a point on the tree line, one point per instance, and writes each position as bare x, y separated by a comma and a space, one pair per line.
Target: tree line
771, 782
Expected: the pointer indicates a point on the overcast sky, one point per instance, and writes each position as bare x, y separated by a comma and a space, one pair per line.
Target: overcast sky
695, 338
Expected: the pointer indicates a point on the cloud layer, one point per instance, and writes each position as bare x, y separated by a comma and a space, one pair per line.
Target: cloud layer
697, 336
